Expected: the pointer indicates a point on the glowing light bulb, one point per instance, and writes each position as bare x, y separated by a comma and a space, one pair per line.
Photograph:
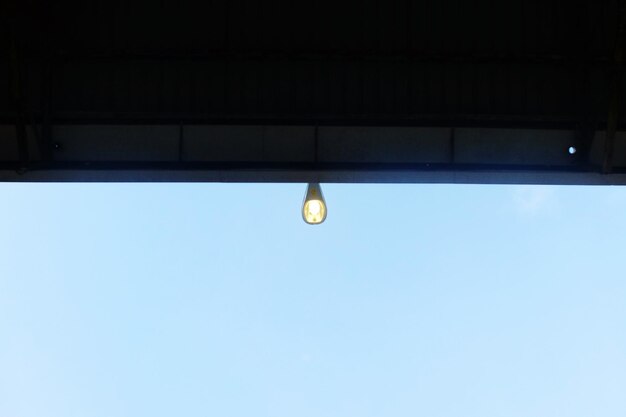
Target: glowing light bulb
314, 206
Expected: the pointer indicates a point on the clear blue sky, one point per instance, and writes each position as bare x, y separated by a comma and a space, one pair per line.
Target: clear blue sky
218, 300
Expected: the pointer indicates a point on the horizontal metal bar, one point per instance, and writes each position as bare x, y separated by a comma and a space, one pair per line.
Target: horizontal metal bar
491, 175
279, 153
415, 120
281, 166
336, 55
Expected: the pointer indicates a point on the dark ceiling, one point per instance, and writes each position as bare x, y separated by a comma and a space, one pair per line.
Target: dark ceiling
276, 90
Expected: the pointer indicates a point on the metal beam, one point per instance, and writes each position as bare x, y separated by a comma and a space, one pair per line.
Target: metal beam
408, 55
18, 100
327, 174
337, 153
615, 92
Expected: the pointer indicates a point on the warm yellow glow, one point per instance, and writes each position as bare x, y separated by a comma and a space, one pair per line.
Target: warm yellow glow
314, 207
314, 211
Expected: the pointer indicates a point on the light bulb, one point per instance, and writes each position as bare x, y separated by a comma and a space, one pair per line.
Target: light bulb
314, 206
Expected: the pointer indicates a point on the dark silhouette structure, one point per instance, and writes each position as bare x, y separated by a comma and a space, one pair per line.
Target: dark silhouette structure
479, 91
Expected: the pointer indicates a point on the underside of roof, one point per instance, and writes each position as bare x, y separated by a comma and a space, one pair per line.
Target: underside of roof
483, 91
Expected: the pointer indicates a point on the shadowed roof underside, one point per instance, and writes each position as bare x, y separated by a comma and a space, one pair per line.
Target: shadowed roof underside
522, 91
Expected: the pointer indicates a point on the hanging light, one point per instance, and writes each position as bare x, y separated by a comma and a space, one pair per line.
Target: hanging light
314, 206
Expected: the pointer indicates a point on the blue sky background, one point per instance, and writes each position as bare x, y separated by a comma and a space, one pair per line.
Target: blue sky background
218, 300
